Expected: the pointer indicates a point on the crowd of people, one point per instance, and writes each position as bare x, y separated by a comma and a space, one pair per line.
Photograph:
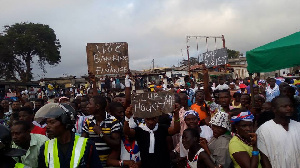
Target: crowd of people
214, 124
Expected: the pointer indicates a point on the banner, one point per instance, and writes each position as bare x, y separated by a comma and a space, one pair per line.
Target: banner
215, 58
107, 58
152, 104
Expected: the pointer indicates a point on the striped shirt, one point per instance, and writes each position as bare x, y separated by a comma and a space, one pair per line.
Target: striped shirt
109, 125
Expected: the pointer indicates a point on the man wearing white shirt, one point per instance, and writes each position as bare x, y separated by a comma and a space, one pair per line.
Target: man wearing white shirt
278, 139
222, 85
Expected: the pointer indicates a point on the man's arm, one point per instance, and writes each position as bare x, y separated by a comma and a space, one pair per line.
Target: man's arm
265, 161
114, 159
127, 130
203, 156
176, 128
84, 134
114, 139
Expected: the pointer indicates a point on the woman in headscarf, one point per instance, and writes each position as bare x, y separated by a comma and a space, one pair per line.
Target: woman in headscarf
243, 146
191, 119
217, 147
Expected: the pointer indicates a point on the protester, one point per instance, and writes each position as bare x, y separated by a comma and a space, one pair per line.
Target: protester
200, 106
278, 139
266, 114
61, 151
272, 90
222, 85
197, 157
6, 152
181, 99
217, 147
38, 104
224, 99
236, 103
191, 118
3, 119
23, 139
5, 105
32, 94
151, 138
102, 129
26, 114
15, 107
245, 101
128, 153
82, 115
243, 89
243, 146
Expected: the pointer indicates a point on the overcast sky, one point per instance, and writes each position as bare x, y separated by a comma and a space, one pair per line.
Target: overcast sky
154, 29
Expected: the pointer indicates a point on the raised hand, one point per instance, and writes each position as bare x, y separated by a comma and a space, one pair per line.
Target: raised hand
253, 138
128, 112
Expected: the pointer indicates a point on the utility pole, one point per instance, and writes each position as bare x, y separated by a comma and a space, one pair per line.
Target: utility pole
153, 64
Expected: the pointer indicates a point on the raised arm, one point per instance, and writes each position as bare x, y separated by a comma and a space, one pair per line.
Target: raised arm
176, 128
127, 130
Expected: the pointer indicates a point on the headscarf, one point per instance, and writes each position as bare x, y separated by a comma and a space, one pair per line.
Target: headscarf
261, 81
221, 119
192, 112
243, 116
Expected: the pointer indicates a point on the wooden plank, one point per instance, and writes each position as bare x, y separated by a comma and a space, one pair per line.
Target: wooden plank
152, 104
107, 58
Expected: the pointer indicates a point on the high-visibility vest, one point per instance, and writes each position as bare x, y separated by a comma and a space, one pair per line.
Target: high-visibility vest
19, 165
51, 152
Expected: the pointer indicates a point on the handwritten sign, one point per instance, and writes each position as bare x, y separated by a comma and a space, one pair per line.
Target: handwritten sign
107, 58
11, 95
152, 104
216, 57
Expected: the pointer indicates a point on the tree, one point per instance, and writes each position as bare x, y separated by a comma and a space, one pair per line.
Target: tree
233, 54
22, 42
6, 60
193, 61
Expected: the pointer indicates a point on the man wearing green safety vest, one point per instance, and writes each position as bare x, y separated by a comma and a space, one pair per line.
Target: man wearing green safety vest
6, 152
65, 150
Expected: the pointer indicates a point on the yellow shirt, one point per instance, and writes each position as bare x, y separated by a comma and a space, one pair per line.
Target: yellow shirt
151, 88
236, 145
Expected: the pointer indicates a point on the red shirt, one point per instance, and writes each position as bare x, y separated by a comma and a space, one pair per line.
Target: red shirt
38, 130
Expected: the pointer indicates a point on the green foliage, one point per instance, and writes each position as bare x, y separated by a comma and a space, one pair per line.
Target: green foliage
21, 42
193, 61
233, 53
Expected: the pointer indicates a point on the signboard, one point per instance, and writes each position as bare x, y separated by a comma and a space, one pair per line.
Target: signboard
216, 57
107, 58
11, 95
152, 104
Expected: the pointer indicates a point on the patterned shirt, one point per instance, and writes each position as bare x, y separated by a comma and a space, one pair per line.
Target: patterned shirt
109, 125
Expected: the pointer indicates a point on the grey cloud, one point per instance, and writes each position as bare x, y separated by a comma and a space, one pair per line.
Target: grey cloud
154, 29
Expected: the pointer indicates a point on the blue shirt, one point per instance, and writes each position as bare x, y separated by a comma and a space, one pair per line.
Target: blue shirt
272, 93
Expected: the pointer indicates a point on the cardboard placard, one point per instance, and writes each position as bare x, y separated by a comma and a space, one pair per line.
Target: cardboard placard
107, 58
152, 104
11, 95
216, 57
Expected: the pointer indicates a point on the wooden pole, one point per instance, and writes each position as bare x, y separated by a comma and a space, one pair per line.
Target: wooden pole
251, 88
206, 84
